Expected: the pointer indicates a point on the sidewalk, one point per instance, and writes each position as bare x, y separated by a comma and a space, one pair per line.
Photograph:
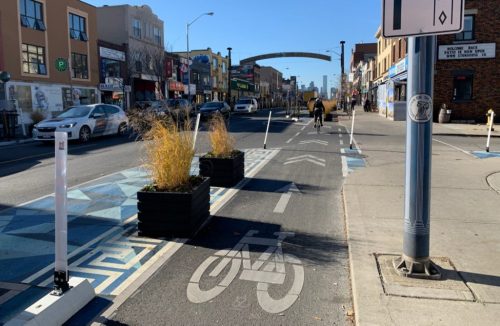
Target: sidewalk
465, 228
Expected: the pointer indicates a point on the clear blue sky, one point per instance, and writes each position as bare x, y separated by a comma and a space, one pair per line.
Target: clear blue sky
254, 27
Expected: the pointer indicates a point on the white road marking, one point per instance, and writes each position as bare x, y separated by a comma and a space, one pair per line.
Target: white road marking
306, 156
285, 197
345, 169
341, 142
307, 160
268, 268
289, 141
297, 134
317, 141
454, 147
303, 127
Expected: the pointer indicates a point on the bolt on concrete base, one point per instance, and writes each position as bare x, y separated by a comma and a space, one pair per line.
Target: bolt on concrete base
416, 268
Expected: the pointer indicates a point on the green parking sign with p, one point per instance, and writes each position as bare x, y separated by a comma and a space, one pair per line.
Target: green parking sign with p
61, 64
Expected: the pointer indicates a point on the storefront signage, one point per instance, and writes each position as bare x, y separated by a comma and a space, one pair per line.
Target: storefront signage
467, 51
111, 54
398, 68
114, 88
175, 86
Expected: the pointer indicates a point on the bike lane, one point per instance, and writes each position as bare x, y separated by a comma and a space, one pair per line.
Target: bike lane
275, 254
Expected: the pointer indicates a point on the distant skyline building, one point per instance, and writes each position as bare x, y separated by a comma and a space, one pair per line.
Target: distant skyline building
324, 90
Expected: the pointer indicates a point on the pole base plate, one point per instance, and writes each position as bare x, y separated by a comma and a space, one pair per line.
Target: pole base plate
416, 268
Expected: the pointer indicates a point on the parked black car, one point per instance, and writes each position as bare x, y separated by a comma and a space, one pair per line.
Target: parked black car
208, 109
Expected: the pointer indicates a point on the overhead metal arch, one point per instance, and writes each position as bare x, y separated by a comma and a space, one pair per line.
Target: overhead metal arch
286, 55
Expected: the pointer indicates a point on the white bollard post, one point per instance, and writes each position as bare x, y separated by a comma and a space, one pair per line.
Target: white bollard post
61, 216
267, 129
352, 128
489, 132
198, 116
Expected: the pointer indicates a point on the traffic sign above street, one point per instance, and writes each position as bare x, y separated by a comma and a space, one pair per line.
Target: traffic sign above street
422, 17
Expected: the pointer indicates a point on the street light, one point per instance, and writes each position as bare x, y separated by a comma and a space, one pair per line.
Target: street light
187, 52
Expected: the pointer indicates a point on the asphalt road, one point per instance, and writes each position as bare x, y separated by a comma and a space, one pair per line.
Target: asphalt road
312, 256
27, 170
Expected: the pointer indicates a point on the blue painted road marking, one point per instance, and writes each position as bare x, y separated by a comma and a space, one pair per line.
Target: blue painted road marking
484, 154
102, 228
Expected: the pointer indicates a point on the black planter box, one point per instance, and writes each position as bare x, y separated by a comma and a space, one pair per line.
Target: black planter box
173, 214
328, 117
223, 172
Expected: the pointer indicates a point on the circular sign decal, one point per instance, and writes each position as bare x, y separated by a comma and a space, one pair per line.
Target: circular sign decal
420, 108
61, 64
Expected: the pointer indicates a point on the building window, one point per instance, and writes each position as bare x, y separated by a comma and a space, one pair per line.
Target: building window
138, 66
77, 28
467, 33
462, 87
157, 35
400, 48
215, 63
79, 66
136, 27
32, 14
393, 53
111, 68
34, 59
224, 69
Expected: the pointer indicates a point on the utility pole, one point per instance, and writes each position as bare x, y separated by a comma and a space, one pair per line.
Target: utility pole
229, 76
342, 74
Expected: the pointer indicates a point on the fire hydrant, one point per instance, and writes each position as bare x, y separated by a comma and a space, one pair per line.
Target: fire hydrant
491, 117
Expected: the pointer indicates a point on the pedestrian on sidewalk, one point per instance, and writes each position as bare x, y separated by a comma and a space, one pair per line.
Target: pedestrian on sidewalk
353, 103
367, 105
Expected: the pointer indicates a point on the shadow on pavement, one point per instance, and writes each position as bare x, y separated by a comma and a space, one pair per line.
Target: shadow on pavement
272, 185
311, 249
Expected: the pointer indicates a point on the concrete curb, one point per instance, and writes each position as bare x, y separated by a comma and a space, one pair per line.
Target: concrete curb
351, 260
16, 142
55, 310
464, 135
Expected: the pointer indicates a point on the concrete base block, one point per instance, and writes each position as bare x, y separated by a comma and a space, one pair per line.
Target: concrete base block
55, 310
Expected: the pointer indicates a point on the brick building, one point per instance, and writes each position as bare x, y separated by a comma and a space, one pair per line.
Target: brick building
52, 55
467, 75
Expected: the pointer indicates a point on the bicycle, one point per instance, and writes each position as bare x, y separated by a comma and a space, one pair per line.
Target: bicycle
264, 270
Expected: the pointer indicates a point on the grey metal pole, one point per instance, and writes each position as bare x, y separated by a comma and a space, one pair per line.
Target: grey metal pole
415, 261
189, 66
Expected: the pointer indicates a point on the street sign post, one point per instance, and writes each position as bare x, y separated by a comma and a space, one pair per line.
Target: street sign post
422, 17
421, 20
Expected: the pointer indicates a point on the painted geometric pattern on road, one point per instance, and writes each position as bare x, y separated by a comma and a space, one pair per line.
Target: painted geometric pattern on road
102, 225
351, 160
484, 154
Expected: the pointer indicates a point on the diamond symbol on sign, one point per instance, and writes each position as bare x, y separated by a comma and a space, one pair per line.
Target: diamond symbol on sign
442, 17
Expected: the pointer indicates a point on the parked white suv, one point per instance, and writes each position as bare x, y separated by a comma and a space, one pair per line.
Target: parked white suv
246, 105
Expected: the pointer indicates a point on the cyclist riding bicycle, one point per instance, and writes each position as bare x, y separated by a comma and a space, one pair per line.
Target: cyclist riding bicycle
318, 109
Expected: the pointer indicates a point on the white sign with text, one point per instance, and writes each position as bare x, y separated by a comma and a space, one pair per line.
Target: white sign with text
467, 51
422, 17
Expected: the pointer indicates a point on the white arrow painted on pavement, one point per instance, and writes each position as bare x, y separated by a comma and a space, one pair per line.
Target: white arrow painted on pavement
306, 158
285, 197
321, 142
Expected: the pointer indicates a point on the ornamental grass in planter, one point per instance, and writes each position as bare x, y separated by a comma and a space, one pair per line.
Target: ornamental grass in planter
224, 165
176, 203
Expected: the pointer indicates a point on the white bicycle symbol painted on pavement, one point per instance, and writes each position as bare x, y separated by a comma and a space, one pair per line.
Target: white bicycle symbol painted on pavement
264, 271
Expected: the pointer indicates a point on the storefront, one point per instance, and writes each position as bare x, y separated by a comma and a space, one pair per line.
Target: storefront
396, 90
49, 99
112, 63
175, 89
242, 88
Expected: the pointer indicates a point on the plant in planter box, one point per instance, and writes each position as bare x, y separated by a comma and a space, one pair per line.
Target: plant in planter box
176, 203
223, 164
